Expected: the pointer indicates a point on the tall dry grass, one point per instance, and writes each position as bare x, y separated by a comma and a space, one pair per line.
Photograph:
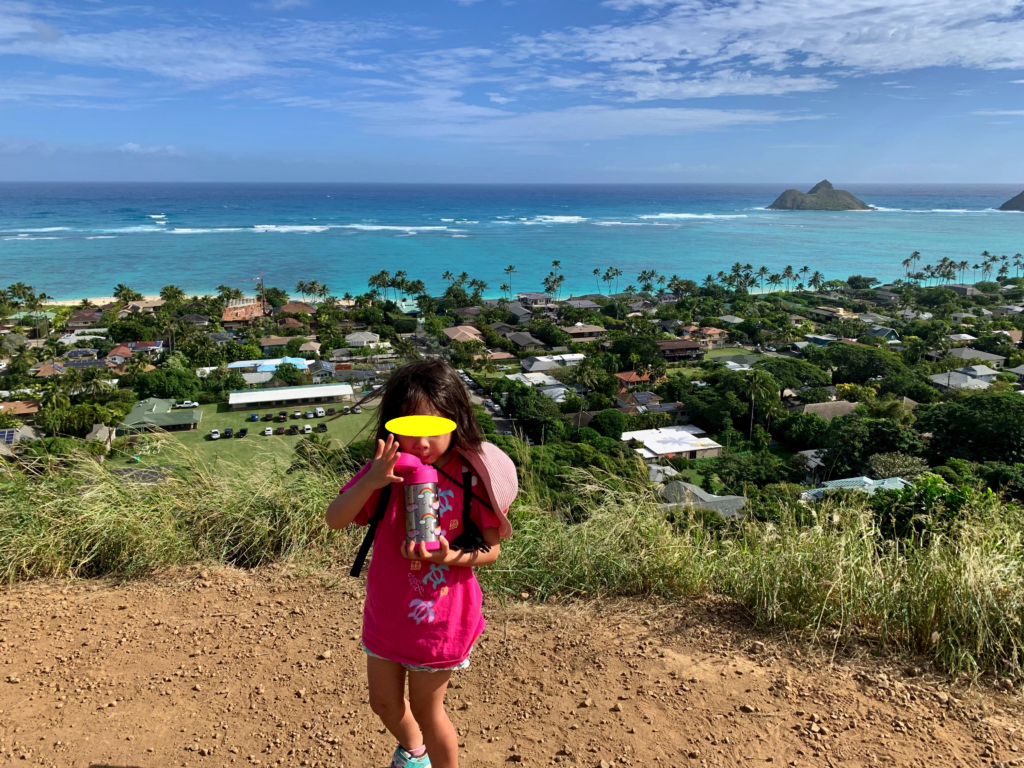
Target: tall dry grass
958, 598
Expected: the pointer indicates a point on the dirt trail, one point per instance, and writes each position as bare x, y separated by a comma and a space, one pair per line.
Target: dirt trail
236, 668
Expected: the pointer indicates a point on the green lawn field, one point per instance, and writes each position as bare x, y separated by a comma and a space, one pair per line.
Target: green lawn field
254, 445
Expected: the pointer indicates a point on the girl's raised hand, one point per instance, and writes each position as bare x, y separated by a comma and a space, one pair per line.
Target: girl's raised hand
382, 470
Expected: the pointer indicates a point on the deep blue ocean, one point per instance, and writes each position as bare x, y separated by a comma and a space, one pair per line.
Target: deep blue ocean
74, 240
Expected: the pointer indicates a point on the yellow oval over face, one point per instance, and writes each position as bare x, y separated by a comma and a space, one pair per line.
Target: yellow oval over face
420, 426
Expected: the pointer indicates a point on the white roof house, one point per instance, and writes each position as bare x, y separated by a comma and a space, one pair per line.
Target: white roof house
288, 395
361, 338
534, 379
681, 440
962, 337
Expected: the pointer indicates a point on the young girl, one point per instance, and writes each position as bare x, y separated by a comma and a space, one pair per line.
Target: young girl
422, 613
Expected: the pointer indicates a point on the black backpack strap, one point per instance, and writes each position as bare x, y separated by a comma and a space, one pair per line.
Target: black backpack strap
371, 531
471, 539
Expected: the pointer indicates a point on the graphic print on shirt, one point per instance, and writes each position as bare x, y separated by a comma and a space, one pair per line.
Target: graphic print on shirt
436, 576
422, 610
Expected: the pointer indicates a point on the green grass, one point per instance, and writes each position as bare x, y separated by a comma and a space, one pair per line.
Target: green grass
244, 451
728, 352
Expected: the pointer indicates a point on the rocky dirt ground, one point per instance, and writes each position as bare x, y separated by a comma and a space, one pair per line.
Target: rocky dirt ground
233, 668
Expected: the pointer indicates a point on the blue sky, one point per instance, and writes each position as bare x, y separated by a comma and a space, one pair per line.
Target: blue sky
513, 90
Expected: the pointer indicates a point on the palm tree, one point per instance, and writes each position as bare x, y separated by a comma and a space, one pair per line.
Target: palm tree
758, 387
556, 264
124, 293
504, 288
510, 270
762, 273
1018, 262
775, 280
597, 279
54, 396
448, 276
172, 293
788, 275
976, 267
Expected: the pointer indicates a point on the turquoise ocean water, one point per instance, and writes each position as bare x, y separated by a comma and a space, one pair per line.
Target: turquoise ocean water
77, 240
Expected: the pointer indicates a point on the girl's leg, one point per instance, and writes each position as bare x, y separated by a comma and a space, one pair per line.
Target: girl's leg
426, 698
387, 700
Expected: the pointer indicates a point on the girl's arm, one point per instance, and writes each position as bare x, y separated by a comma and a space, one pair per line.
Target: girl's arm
343, 510
448, 556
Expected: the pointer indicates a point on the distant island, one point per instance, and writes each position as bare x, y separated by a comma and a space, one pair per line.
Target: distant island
1016, 204
824, 197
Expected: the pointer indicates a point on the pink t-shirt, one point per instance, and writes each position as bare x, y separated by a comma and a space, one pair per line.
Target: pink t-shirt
418, 612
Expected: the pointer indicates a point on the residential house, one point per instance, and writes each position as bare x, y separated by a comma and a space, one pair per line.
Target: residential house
881, 332
289, 323
80, 335
321, 371
873, 318
362, 338
1015, 336
142, 307
956, 380
1018, 372
982, 372
1008, 310
497, 355
519, 312
220, 337
241, 313
82, 365
81, 354
502, 329
11, 437
533, 299
738, 360
666, 298
119, 354
962, 289
820, 340
967, 353
711, 337
885, 296
828, 411
912, 314
199, 321
678, 495
629, 379
797, 320
463, 333
310, 347
534, 379
668, 442
525, 341
814, 465
557, 392
634, 399
731, 319
468, 313
155, 413
959, 317
583, 332
151, 348
274, 343
863, 484
294, 308
23, 410
549, 362
83, 318
582, 304
831, 313
962, 338
659, 475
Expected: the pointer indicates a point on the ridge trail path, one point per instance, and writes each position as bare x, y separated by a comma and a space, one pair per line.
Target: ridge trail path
239, 668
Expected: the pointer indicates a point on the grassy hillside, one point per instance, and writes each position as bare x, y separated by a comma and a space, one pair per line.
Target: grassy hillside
957, 596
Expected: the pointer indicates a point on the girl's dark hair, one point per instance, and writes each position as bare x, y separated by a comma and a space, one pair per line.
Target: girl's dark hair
434, 382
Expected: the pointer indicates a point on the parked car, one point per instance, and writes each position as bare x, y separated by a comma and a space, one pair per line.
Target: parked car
297, 415
242, 432
229, 432
306, 429
254, 417
187, 404
345, 409
268, 431
321, 427
309, 414
268, 417
331, 411
357, 409
215, 434
282, 415
279, 431
507, 432
320, 413
293, 429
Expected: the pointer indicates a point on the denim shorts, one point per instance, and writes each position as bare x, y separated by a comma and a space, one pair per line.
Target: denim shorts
464, 664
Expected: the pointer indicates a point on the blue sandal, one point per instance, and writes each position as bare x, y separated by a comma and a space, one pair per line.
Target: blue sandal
404, 759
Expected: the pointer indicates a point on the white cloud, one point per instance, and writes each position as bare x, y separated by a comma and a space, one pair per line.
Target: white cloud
1000, 112
283, 5
131, 148
497, 98
467, 3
